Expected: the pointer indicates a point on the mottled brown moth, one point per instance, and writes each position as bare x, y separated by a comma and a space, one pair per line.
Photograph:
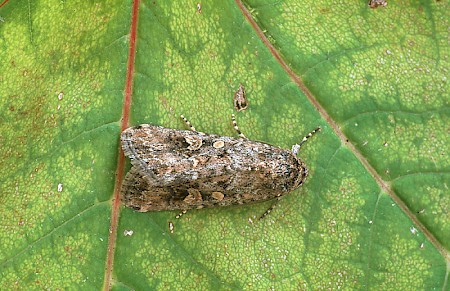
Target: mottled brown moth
240, 101
377, 3
181, 169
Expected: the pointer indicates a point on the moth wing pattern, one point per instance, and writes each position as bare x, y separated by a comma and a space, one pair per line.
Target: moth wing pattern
135, 192
139, 195
164, 157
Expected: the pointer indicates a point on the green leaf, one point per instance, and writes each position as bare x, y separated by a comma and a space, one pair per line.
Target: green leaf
373, 213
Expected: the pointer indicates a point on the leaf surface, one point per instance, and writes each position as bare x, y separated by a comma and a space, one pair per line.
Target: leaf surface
373, 213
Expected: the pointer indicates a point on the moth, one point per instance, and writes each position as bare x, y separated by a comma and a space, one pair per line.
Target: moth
240, 101
185, 169
377, 3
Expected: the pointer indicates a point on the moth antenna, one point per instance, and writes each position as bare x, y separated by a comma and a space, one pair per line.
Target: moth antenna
187, 122
296, 147
181, 214
233, 119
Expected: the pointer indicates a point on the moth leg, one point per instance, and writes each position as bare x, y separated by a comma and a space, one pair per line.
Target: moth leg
171, 226
296, 147
270, 209
187, 122
233, 119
